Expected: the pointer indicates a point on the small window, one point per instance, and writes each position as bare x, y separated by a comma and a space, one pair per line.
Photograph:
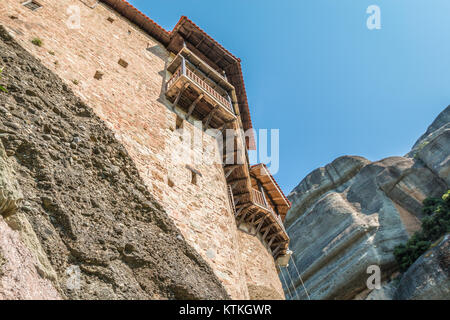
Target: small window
32, 5
170, 183
179, 123
123, 63
110, 19
193, 178
98, 75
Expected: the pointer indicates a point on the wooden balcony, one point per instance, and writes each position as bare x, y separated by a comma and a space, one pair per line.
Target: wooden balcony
251, 207
199, 90
259, 200
252, 210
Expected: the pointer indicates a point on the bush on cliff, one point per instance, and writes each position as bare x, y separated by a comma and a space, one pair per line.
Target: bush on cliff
434, 226
1, 87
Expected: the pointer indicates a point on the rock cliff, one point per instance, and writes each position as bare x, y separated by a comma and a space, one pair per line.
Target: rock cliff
352, 213
76, 220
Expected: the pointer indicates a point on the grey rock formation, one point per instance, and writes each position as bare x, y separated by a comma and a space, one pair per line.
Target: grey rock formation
352, 213
429, 277
10, 193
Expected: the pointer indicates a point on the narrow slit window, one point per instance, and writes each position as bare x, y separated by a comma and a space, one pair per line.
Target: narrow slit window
179, 124
32, 5
193, 178
123, 63
110, 19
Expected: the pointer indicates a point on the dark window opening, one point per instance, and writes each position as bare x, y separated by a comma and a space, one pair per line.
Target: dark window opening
32, 5
110, 19
193, 178
123, 63
98, 75
179, 123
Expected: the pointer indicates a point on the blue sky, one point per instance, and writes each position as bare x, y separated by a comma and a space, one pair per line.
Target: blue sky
332, 87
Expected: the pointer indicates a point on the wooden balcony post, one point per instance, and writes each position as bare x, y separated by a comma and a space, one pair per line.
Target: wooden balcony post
231, 104
183, 66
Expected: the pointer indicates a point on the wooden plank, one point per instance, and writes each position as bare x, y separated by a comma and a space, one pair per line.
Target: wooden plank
276, 250
265, 234
240, 210
242, 218
259, 226
270, 243
238, 180
186, 85
193, 105
200, 42
230, 172
208, 120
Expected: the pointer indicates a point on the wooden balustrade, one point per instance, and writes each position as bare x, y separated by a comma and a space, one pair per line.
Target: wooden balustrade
258, 198
201, 83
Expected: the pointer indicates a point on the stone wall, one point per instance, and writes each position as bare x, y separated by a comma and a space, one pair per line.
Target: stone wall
262, 282
132, 103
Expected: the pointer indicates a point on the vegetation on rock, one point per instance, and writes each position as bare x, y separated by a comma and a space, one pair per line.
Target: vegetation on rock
37, 42
434, 226
1, 87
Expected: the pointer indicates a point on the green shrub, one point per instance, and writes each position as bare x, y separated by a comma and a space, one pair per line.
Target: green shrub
37, 42
1, 87
434, 226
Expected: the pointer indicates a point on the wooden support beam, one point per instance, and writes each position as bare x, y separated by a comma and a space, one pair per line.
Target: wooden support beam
200, 42
231, 166
270, 243
218, 60
179, 95
261, 220
268, 227
230, 172
253, 219
234, 185
265, 234
210, 115
189, 35
242, 218
240, 210
193, 105
242, 194
237, 180
259, 225
276, 250
245, 204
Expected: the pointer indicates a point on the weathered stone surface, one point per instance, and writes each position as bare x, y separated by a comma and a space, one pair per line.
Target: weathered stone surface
10, 193
320, 181
342, 223
20, 272
429, 277
441, 123
88, 228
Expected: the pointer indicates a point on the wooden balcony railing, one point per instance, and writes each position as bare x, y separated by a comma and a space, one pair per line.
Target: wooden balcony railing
201, 83
258, 198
